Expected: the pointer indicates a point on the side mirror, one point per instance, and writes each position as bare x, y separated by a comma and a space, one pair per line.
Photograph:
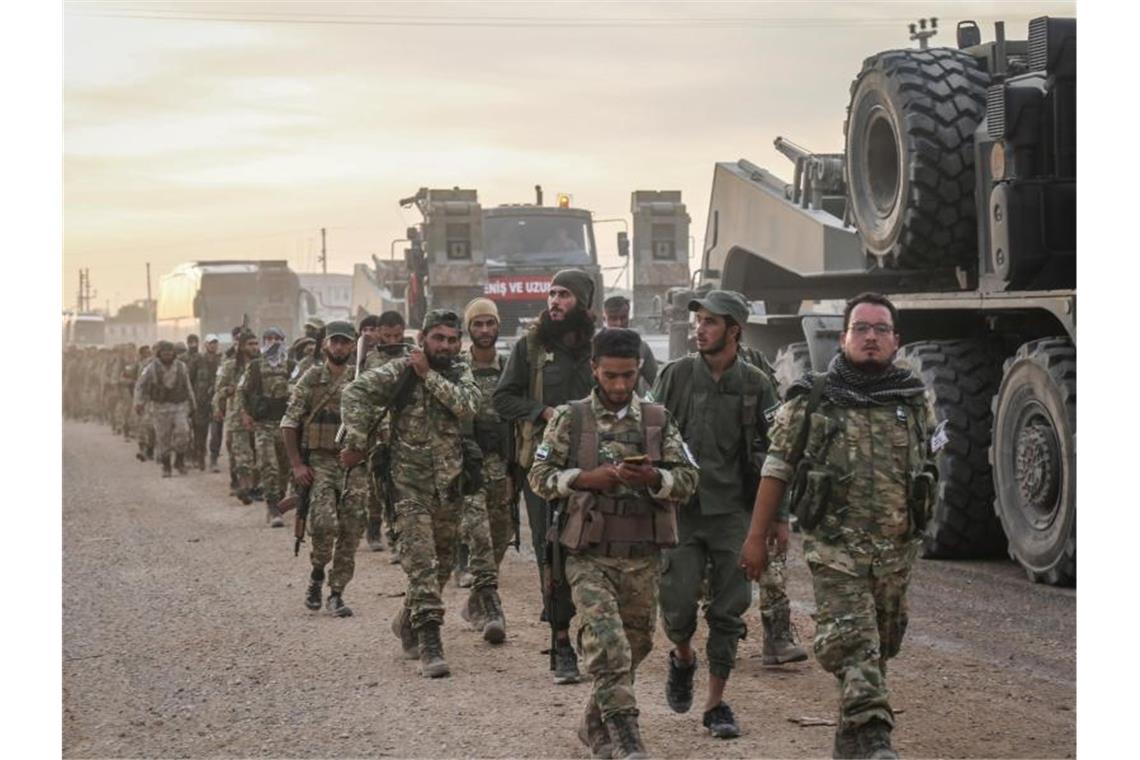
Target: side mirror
623, 243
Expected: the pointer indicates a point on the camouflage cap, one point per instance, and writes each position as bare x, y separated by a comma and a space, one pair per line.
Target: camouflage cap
340, 327
315, 322
436, 317
724, 303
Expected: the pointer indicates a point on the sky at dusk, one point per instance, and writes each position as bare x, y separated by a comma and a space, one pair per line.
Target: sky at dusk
238, 130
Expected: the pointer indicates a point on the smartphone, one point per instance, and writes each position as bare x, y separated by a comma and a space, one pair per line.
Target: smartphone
639, 459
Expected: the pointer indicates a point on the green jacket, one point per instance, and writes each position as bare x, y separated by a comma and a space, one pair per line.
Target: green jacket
566, 376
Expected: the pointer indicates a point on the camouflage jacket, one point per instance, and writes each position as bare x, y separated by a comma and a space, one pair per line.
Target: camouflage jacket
155, 374
203, 373
487, 378
317, 386
870, 451
224, 385
426, 434
550, 476
263, 390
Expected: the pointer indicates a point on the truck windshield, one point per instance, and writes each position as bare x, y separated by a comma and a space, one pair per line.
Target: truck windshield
534, 239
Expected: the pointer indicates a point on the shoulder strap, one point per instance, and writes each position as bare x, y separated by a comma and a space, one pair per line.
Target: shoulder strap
584, 436
327, 397
653, 429
534, 353
817, 383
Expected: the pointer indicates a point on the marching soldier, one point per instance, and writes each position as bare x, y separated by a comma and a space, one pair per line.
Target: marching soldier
263, 394
621, 468
429, 398
239, 442
854, 442
310, 425
165, 386
203, 372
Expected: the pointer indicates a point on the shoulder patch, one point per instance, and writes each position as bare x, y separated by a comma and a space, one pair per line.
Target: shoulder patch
542, 453
770, 412
940, 438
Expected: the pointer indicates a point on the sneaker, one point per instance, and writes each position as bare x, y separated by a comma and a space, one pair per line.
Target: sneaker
592, 732
721, 723
565, 664
679, 684
337, 607
313, 595
402, 628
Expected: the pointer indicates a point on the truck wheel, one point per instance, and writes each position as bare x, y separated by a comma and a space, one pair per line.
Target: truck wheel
910, 156
962, 377
1034, 459
792, 361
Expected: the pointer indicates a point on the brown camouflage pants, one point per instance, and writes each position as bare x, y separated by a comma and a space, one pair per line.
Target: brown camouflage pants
429, 529
617, 609
271, 459
860, 623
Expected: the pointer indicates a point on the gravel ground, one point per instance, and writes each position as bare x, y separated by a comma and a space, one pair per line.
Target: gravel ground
184, 635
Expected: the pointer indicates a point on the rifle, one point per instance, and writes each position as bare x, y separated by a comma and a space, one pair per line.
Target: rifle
303, 492
554, 574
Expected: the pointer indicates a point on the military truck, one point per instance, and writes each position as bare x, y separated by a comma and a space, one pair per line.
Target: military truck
956, 196
461, 250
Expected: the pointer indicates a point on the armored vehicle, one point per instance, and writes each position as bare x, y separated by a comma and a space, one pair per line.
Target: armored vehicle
956, 196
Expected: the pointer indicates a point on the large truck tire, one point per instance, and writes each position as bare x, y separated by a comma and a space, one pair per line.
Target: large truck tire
792, 362
910, 156
961, 377
1034, 459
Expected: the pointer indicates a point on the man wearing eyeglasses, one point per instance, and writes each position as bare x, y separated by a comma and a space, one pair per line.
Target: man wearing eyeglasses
854, 445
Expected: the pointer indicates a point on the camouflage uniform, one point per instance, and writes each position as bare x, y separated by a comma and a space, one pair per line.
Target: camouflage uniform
616, 597
861, 553
378, 514
263, 394
166, 391
336, 519
203, 368
239, 441
486, 526
426, 464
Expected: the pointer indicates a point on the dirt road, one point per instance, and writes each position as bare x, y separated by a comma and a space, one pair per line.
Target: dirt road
184, 635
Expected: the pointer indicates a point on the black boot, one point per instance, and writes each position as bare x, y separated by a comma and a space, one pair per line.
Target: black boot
166, 473
432, 664
313, 595
337, 606
874, 740
494, 622
679, 684
565, 663
846, 745
180, 464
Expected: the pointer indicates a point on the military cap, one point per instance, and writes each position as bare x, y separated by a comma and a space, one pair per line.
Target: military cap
302, 341
340, 327
163, 345
724, 303
577, 282
436, 317
315, 322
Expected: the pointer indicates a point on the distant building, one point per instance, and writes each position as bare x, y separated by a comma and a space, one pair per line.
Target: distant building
133, 323
328, 296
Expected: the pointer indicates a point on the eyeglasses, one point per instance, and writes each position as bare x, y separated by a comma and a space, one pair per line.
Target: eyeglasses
862, 328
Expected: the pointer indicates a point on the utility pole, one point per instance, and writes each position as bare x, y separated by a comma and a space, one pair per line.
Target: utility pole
324, 254
79, 293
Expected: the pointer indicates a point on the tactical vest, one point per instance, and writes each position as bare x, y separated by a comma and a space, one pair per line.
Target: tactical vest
160, 394
602, 525
324, 421
268, 391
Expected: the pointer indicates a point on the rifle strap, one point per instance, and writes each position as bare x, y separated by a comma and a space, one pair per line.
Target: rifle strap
797, 452
535, 356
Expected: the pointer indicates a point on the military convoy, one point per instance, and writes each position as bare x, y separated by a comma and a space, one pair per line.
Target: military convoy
955, 195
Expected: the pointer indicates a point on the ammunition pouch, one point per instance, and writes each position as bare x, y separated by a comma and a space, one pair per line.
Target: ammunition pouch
320, 432
265, 409
810, 494
624, 528
471, 480
920, 498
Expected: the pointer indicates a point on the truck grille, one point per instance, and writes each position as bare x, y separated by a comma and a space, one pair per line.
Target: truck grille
995, 111
1039, 43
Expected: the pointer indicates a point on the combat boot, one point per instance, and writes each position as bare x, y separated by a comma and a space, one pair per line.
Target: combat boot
336, 605
565, 663
472, 611
779, 644
214, 463
243, 489
846, 744
374, 542
402, 628
313, 595
626, 735
592, 732
166, 473
273, 515
432, 664
874, 740
494, 623
180, 464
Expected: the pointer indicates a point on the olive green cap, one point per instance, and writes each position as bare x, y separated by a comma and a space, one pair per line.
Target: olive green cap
342, 328
724, 303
